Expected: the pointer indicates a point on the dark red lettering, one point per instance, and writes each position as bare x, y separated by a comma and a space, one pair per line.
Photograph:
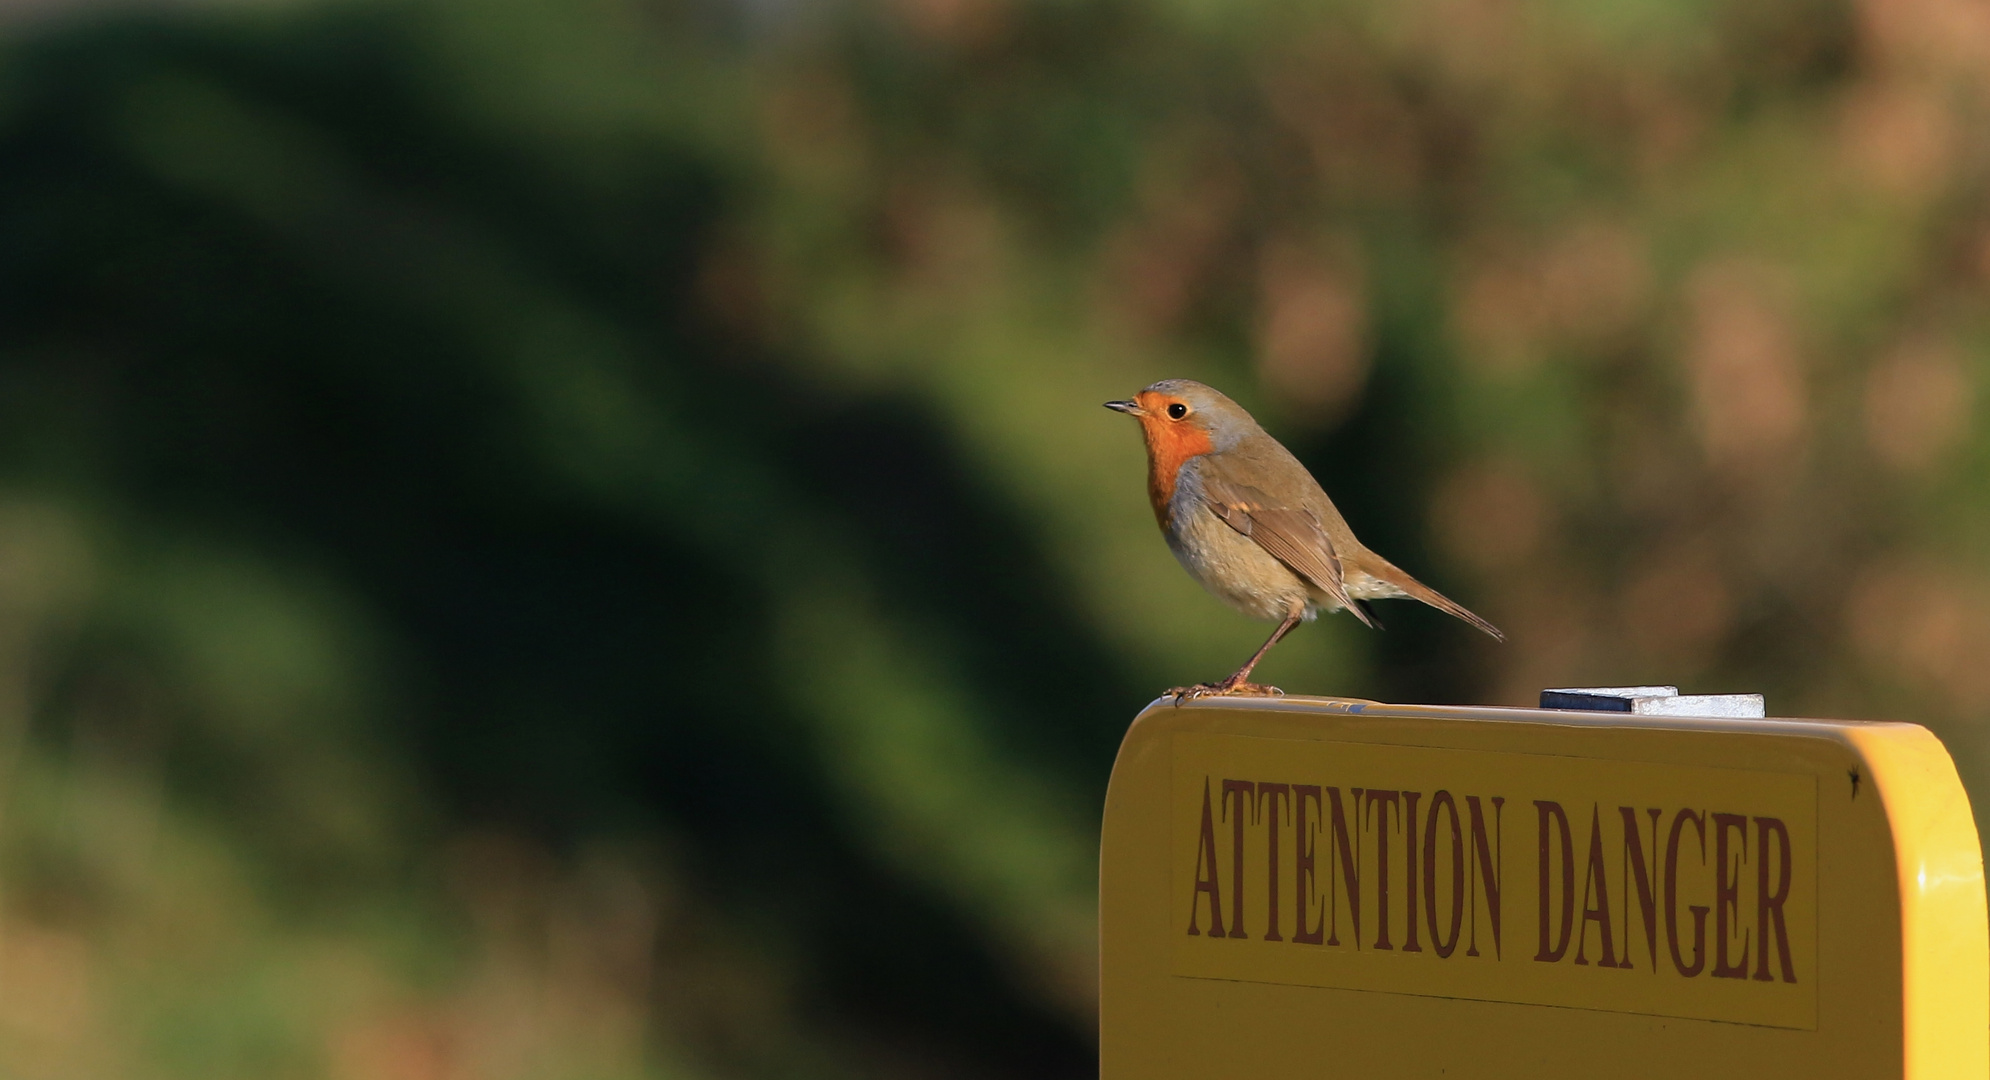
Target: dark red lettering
1379, 804
1487, 869
1768, 904
1237, 793
1547, 809
1442, 801
1727, 895
1646, 880
1409, 869
1304, 854
1679, 821
1205, 861
1272, 793
1596, 882
1347, 858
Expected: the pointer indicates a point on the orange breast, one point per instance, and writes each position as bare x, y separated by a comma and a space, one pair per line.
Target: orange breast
1169, 446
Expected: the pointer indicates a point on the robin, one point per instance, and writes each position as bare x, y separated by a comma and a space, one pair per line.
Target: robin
1245, 519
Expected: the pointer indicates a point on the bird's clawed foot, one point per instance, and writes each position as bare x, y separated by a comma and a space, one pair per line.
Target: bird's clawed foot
1234, 686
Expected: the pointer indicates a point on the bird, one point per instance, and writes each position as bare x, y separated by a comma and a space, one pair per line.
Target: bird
1253, 526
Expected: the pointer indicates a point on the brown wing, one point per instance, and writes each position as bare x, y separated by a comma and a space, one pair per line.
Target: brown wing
1292, 536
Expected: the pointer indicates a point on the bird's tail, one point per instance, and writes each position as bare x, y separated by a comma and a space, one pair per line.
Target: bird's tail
1389, 573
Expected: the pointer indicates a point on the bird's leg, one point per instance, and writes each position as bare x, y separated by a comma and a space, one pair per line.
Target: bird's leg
1237, 684
1237, 681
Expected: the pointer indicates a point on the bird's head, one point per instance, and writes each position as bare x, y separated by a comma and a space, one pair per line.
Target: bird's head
1184, 415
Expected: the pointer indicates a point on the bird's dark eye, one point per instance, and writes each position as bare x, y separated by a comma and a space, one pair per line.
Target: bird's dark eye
1177, 411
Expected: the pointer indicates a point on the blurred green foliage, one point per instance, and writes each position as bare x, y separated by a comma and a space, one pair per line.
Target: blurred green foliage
578, 539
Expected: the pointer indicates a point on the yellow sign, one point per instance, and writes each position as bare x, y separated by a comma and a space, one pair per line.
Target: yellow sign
1330, 887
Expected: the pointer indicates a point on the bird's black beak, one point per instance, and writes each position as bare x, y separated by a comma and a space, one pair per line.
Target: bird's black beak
1130, 408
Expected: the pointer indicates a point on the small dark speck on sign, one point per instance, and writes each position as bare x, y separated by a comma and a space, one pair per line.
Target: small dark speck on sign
1854, 774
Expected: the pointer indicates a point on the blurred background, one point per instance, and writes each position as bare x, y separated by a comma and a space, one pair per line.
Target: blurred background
578, 540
